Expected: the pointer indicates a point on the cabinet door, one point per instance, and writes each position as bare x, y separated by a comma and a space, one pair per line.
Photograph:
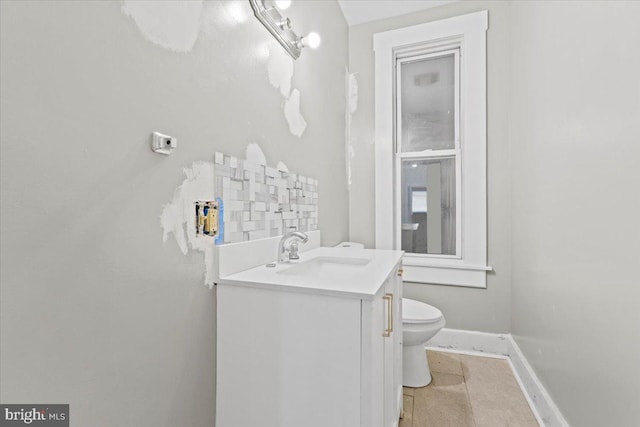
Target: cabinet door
382, 356
390, 400
373, 361
393, 349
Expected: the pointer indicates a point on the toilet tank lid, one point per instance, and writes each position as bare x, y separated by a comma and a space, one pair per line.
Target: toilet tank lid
418, 312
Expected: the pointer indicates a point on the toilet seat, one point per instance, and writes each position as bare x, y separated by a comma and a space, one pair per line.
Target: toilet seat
418, 312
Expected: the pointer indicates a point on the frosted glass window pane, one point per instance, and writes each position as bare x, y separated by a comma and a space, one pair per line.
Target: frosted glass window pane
428, 104
429, 206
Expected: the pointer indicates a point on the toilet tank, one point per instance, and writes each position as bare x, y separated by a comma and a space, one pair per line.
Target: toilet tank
350, 245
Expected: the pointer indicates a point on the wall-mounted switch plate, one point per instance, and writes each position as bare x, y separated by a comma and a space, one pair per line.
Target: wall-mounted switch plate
163, 144
207, 218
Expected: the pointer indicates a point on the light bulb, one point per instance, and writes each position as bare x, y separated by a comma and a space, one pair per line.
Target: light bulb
283, 4
312, 40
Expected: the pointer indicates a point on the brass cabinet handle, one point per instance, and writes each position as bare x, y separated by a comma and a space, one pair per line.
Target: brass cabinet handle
391, 313
389, 328
400, 272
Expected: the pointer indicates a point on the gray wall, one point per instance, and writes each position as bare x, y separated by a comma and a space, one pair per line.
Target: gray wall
96, 312
464, 308
575, 143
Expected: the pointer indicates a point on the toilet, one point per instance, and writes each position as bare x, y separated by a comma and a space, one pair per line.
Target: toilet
420, 323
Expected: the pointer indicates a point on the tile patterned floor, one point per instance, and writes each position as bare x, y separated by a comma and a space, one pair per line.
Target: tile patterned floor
467, 391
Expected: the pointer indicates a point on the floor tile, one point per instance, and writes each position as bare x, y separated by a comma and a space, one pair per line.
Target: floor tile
407, 409
495, 396
446, 363
443, 403
407, 391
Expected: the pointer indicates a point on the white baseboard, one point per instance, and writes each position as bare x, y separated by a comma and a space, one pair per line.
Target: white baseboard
471, 341
503, 346
535, 391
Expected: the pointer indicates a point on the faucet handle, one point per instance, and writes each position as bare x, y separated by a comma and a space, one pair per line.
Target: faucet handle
293, 250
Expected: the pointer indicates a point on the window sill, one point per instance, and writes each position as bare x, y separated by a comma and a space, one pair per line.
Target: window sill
455, 273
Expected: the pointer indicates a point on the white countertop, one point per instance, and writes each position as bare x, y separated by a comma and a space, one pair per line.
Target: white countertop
360, 281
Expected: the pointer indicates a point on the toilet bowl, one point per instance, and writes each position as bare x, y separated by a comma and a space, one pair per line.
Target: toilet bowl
420, 323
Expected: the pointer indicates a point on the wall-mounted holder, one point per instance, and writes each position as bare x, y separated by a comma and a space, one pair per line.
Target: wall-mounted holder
207, 218
163, 144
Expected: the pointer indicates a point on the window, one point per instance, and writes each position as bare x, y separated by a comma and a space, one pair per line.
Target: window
427, 152
431, 149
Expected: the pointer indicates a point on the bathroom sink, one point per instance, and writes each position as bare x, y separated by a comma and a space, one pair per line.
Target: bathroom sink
350, 272
327, 266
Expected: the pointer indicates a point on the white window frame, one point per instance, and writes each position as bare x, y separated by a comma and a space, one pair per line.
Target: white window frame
468, 32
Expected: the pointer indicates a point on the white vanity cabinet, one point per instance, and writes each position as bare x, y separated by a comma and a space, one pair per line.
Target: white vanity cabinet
382, 399
312, 357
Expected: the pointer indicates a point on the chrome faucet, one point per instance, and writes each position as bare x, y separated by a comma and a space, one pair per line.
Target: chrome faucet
288, 247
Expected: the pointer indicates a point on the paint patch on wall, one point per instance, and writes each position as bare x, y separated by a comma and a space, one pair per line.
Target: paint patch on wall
178, 216
351, 91
172, 25
255, 155
297, 123
280, 69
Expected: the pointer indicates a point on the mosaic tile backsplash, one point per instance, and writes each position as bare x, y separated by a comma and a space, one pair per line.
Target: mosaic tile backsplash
261, 201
